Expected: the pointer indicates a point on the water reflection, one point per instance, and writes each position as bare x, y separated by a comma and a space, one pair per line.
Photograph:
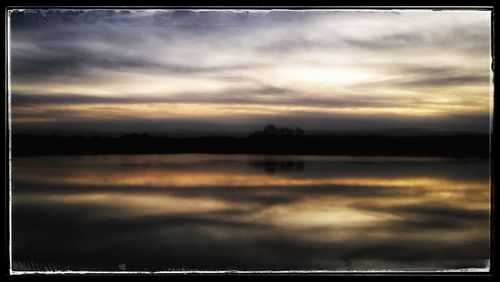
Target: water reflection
273, 166
161, 212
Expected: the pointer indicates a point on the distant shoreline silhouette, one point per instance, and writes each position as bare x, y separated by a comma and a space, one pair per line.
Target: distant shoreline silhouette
271, 140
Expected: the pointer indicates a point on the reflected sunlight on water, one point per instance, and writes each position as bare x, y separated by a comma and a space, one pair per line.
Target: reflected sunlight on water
161, 212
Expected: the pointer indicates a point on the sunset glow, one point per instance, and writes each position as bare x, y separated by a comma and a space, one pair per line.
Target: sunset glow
323, 70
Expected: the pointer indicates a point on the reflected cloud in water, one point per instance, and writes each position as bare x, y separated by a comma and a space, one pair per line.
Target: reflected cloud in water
273, 166
209, 212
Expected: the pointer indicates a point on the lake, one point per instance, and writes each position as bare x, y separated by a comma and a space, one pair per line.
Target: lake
250, 212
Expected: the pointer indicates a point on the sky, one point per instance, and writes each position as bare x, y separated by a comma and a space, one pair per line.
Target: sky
238, 70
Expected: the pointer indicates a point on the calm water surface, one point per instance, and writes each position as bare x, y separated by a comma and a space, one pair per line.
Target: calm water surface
239, 212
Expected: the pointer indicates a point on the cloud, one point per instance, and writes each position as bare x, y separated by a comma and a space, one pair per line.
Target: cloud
360, 62
470, 79
118, 121
246, 95
73, 61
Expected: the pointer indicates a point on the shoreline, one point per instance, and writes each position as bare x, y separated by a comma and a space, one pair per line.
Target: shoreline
450, 146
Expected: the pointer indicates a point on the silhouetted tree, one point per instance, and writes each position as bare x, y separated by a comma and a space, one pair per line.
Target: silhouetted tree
299, 132
271, 130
